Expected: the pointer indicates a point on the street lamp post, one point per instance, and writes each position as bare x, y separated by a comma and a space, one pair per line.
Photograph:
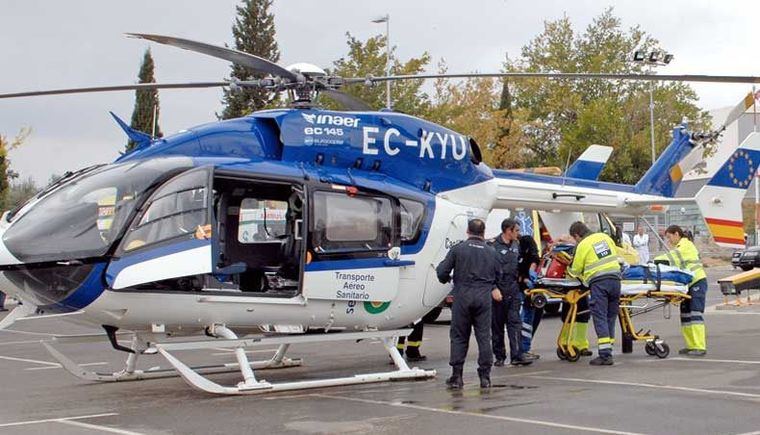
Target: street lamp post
653, 59
387, 20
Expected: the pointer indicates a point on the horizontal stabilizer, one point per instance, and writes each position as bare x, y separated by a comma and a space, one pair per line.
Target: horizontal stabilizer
140, 138
590, 164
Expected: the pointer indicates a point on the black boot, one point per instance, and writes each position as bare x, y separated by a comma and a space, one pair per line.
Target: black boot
455, 382
602, 361
413, 354
485, 378
485, 381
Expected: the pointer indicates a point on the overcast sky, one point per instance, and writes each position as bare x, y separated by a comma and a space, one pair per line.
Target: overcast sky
54, 44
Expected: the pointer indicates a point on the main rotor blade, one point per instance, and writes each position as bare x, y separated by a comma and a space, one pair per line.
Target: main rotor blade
249, 61
573, 76
348, 101
138, 86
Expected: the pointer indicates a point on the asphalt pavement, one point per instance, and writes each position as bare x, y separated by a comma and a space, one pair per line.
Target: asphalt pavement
717, 394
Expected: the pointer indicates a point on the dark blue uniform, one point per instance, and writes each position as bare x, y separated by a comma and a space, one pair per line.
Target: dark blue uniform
476, 272
507, 311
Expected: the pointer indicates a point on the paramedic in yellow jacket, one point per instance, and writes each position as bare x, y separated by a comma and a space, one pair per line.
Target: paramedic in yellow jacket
597, 264
684, 255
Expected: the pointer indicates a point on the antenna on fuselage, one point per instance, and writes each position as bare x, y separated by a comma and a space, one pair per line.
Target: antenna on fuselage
567, 165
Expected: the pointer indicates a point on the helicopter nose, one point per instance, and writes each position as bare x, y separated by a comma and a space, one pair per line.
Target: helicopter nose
6, 258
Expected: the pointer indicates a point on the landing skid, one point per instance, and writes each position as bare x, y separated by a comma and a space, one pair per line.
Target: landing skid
195, 376
133, 374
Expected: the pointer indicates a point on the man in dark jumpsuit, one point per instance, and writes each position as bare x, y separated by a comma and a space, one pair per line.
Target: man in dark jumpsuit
476, 272
507, 310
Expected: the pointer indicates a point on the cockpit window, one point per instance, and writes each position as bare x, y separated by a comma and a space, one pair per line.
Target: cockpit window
83, 217
178, 208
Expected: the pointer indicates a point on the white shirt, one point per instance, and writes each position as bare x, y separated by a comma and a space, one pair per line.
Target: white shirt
641, 243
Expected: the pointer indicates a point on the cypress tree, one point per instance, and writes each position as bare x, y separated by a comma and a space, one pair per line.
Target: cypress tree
254, 33
145, 101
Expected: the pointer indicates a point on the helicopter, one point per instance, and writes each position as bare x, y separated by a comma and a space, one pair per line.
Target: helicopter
292, 220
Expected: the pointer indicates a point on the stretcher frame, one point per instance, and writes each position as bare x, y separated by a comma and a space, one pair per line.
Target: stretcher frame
538, 297
654, 346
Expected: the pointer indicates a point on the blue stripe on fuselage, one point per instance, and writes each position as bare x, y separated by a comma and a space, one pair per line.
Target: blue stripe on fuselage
83, 296
148, 253
359, 263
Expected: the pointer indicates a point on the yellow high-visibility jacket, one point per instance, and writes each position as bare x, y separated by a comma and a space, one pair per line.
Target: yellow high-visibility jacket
685, 256
595, 256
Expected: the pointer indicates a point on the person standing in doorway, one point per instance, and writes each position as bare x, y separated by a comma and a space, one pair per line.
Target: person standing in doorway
641, 244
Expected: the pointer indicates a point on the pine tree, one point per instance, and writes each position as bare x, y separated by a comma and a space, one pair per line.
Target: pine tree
145, 101
254, 33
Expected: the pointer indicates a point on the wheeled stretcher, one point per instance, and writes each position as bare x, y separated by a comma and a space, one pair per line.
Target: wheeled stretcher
658, 285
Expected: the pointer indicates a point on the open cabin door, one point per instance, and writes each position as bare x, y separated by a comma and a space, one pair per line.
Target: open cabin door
353, 246
171, 236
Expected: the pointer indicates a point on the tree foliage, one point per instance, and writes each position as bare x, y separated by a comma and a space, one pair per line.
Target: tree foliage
254, 33
6, 173
560, 118
146, 108
368, 58
20, 192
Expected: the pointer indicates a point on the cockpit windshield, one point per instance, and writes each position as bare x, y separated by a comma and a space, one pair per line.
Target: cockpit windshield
83, 217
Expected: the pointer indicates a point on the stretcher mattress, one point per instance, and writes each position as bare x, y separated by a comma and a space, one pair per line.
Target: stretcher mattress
636, 280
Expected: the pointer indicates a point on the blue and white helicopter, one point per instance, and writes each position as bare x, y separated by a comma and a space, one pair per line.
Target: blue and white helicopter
291, 220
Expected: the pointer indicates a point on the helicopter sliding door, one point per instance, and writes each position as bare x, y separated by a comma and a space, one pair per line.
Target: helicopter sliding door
259, 236
170, 238
353, 246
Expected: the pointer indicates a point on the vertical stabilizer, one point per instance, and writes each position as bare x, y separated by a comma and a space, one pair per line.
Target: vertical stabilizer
590, 164
664, 177
720, 200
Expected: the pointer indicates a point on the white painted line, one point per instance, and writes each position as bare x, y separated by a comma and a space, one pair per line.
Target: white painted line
16, 331
757, 432
50, 363
230, 351
8, 343
655, 386
473, 414
729, 361
98, 427
48, 420
59, 366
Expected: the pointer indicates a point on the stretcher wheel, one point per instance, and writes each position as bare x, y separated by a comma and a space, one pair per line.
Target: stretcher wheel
662, 351
650, 348
575, 357
538, 301
561, 354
